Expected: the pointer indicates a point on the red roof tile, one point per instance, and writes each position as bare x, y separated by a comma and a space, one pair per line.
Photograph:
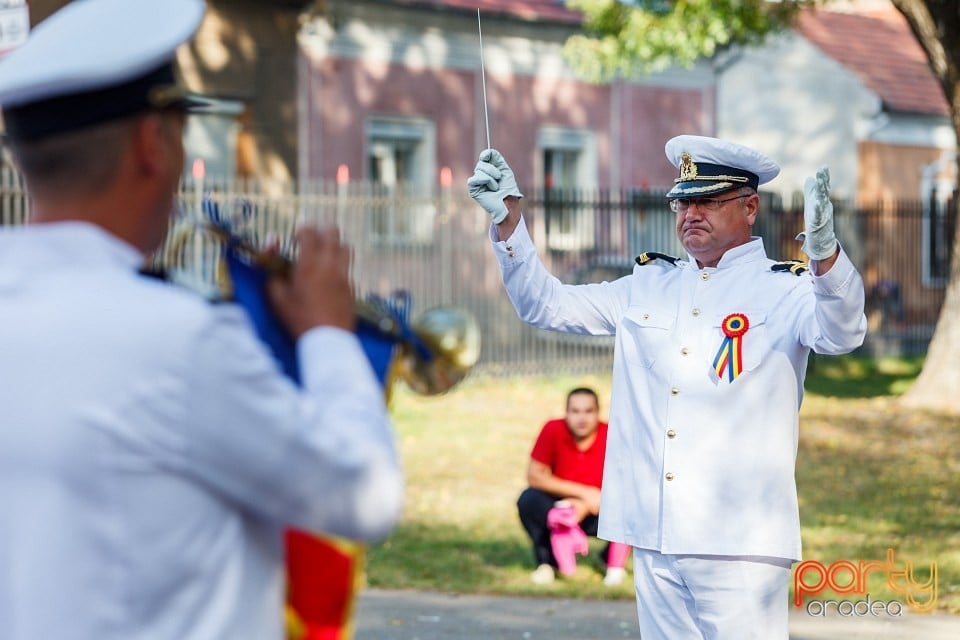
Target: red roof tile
882, 51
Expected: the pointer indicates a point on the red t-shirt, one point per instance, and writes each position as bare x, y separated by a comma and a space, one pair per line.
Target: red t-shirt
556, 448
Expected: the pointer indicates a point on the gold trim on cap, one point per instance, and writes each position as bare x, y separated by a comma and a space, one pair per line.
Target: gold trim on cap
709, 187
689, 171
683, 178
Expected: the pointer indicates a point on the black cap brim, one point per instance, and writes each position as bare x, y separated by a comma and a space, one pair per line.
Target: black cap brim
155, 90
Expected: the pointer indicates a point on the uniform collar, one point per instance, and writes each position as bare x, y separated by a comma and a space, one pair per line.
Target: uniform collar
747, 252
73, 243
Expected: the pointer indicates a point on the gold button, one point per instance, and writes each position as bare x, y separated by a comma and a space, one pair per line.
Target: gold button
671, 434
684, 351
704, 276
696, 311
674, 391
669, 477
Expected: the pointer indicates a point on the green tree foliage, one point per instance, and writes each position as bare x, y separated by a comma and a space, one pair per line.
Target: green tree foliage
622, 38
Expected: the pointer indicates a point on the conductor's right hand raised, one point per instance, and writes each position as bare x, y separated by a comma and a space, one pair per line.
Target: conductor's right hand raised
492, 181
318, 291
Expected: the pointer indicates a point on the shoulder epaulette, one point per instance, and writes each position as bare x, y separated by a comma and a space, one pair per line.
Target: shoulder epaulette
793, 266
649, 256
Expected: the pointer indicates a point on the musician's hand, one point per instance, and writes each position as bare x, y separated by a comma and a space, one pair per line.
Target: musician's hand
318, 291
492, 181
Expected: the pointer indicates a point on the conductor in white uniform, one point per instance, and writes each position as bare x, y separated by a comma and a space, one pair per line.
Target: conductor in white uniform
711, 353
151, 451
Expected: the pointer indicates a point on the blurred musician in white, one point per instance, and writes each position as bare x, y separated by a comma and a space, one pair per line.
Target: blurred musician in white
151, 451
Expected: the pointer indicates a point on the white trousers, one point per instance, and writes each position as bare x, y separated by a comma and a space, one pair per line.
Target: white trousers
681, 597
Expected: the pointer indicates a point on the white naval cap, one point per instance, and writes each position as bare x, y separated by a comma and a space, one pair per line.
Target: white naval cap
94, 61
710, 165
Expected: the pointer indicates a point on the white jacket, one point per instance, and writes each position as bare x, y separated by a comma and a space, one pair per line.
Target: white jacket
151, 454
695, 463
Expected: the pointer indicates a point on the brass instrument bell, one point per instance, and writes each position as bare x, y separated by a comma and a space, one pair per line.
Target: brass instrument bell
434, 352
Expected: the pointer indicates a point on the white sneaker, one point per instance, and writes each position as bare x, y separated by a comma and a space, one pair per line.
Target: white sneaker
543, 575
614, 576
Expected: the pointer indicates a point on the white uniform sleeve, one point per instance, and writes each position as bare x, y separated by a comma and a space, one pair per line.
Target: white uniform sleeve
838, 324
321, 458
544, 302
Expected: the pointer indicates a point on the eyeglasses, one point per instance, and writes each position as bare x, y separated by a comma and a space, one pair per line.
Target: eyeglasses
680, 205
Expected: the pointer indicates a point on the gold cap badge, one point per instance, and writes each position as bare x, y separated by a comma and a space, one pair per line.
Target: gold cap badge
688, 169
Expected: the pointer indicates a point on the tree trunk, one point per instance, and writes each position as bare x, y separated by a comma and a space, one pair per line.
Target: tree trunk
938, 386
936, 24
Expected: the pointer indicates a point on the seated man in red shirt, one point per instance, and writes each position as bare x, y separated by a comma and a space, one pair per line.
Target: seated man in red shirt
565, 473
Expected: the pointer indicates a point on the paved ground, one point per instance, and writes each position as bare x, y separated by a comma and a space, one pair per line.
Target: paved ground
422, 615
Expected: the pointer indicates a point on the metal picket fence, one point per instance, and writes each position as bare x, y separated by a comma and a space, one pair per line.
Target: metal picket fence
433, 244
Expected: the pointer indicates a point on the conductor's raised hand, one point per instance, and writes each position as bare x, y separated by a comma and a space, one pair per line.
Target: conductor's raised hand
819, 239
317, 291
492, 181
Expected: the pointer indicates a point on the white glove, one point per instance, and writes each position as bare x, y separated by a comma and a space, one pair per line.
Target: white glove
819, 240
492, 181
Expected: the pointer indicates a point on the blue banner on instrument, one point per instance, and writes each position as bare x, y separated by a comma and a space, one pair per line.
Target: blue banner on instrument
248, 281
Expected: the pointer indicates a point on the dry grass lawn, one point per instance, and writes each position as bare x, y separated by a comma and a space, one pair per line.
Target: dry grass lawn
870, 477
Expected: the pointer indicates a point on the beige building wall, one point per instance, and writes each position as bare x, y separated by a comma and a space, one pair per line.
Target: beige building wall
892, 172
245, 51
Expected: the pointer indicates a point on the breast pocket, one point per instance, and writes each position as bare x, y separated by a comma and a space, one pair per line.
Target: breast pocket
739, 343
646, 333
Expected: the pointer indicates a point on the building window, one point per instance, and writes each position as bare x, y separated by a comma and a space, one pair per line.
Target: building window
939, 220
569, 174
938, 191
211, 138
400, 165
